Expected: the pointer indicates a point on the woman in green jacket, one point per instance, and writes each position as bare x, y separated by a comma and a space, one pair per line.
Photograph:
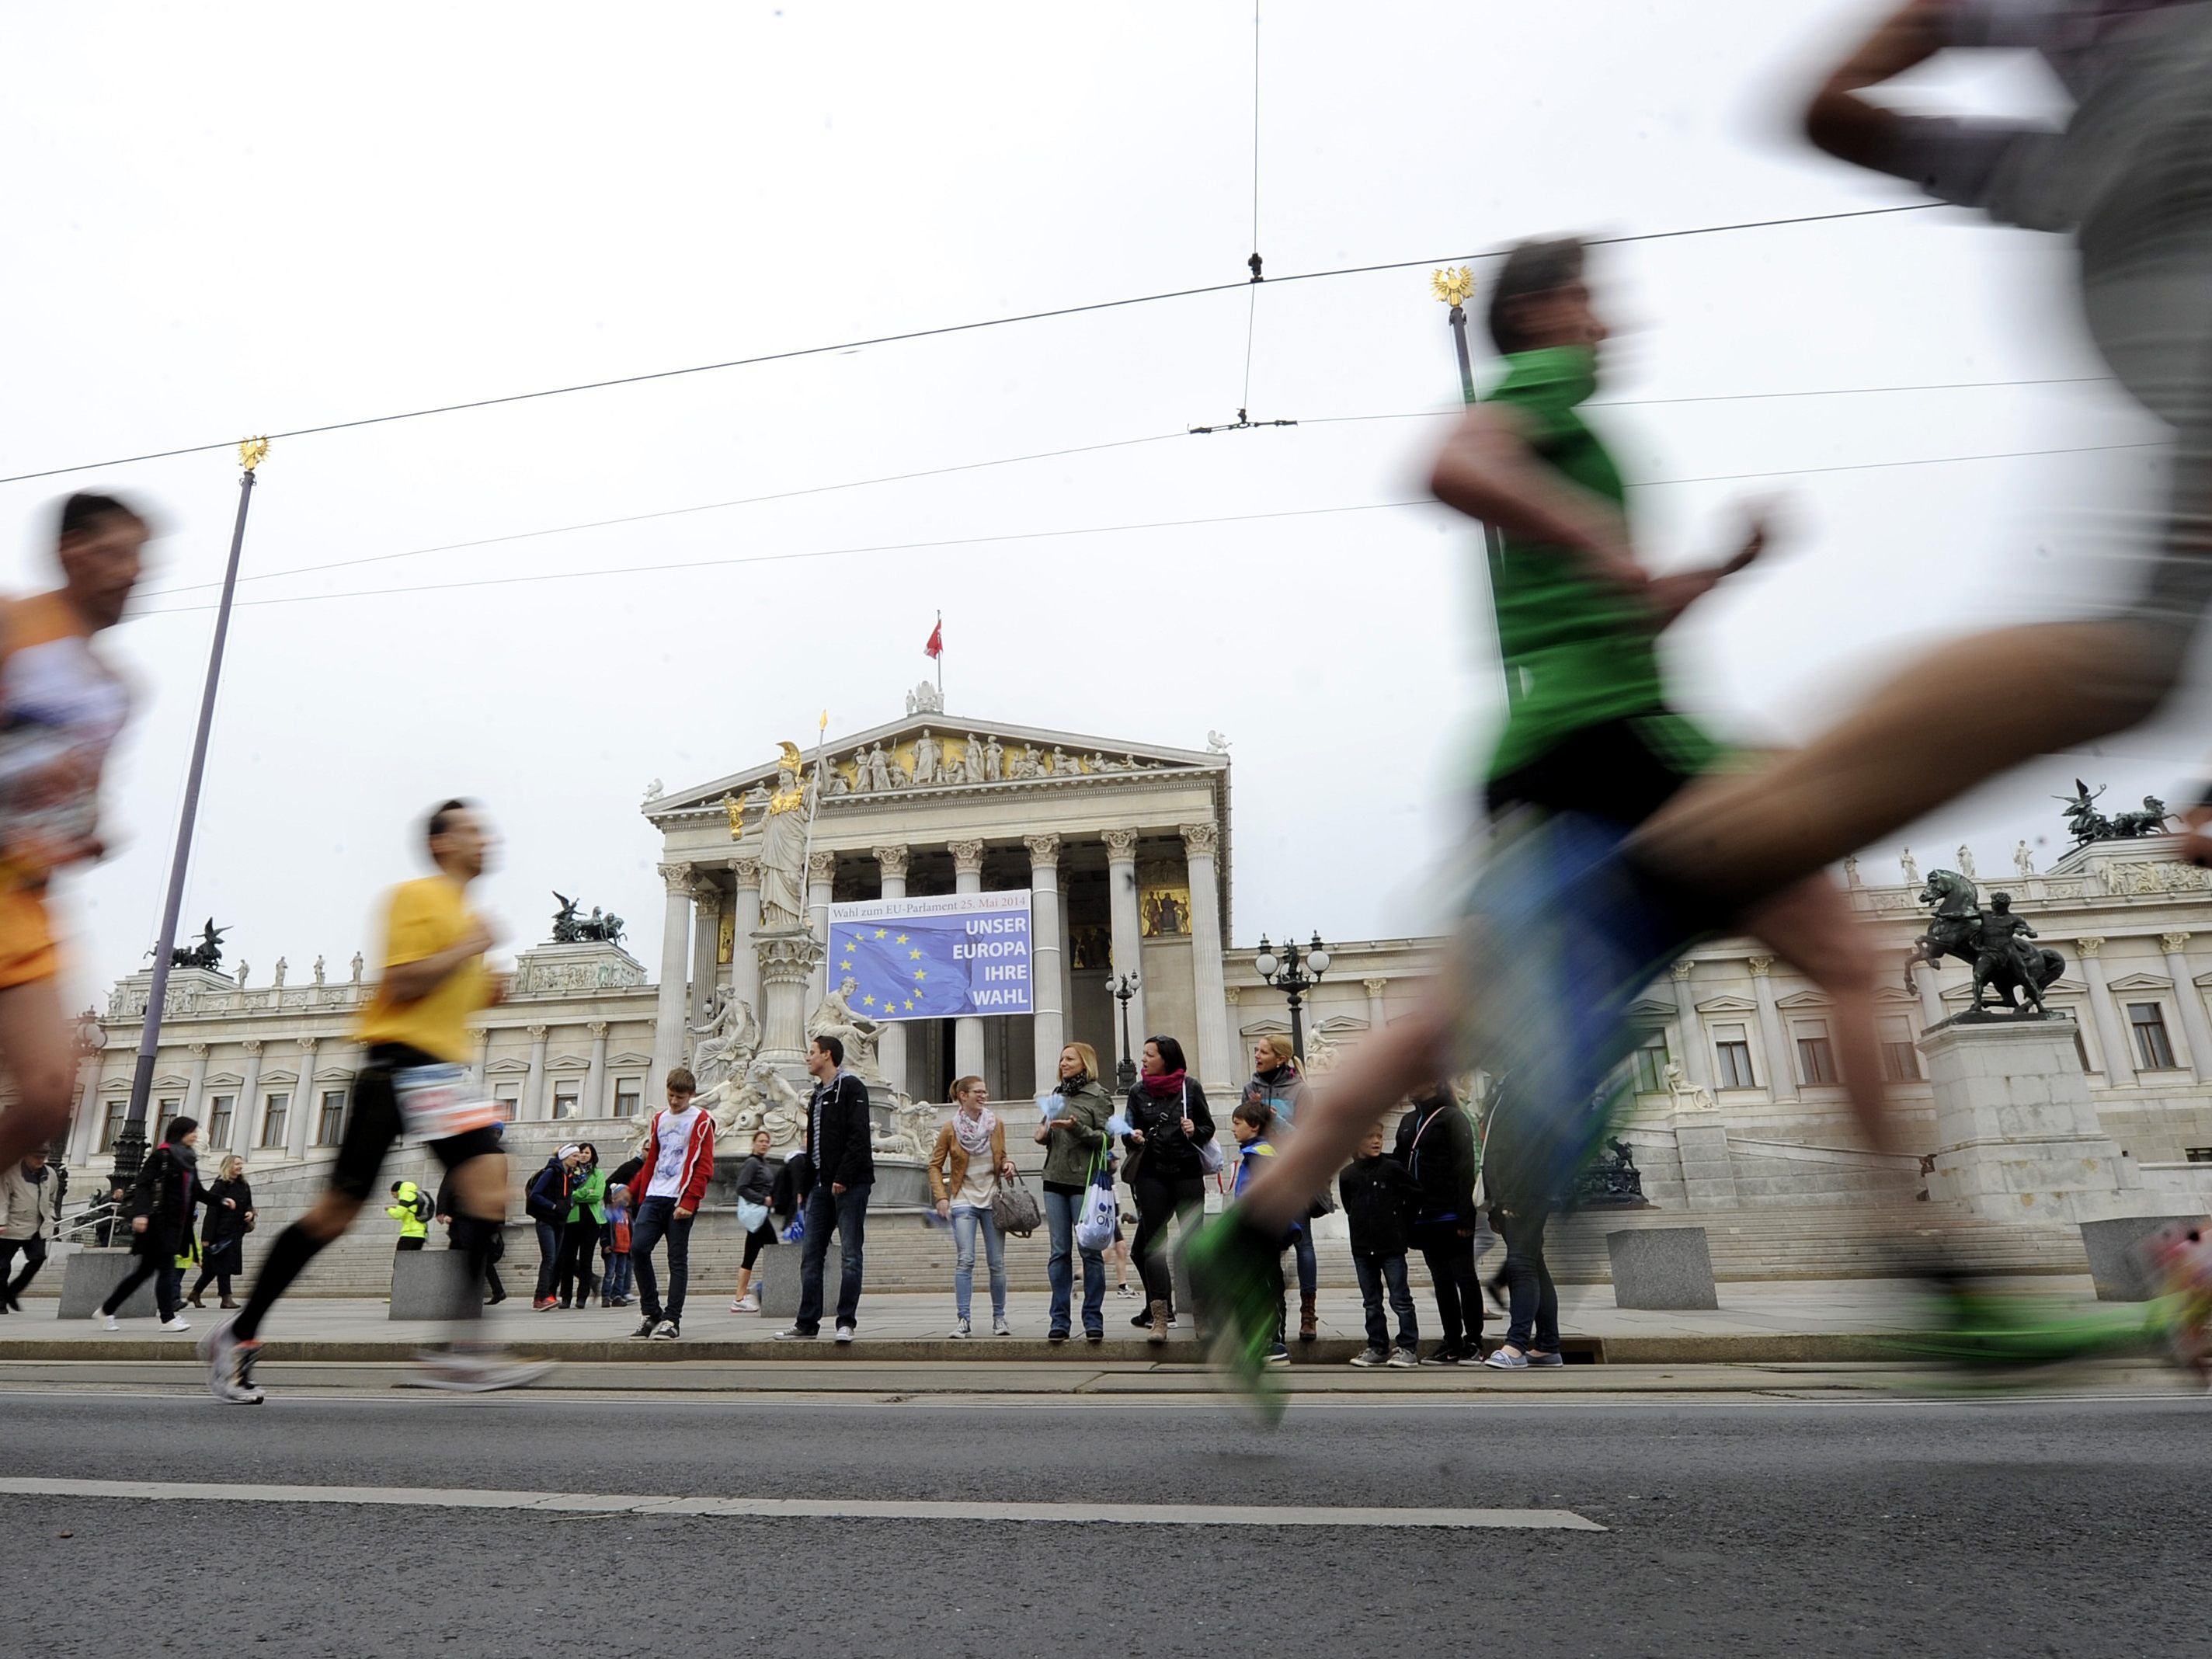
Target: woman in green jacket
580, 1234
1073, 1136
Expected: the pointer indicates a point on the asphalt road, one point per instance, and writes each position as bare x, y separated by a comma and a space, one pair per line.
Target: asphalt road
2071, 1525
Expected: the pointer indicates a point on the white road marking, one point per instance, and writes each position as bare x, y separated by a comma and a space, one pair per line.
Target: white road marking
830, 1509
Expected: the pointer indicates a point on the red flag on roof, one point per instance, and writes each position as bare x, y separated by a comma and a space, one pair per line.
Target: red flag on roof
936, 646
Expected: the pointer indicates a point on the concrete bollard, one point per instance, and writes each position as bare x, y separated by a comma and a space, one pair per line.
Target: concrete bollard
1669, 1268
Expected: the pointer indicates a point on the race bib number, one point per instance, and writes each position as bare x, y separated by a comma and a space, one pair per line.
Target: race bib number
435, 1103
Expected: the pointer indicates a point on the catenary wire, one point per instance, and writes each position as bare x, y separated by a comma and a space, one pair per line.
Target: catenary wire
938, 332
1046, 455
1106, 530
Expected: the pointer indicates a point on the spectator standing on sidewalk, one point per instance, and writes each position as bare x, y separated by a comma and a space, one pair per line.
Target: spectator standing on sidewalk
841, 1161
756, 1185
677, 1163
1436, 1143
30, 1218
1380, 1197
547, 1201
614, 1286
1071, 1137
411, 1208
229, 1206
965, 1167
1253, 1123
579, 1233
1169, 1125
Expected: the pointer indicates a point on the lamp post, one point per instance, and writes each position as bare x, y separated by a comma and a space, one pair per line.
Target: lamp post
1125, 992
1295, 972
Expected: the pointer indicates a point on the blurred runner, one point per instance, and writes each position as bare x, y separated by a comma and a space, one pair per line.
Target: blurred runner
61, 709
414, 1084
1570, 918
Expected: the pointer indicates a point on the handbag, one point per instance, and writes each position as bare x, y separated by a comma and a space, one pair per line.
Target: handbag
751, 1216
1100, 1213
1014, 1209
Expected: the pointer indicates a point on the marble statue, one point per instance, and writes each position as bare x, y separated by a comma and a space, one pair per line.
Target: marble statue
880, 769
243, 969
1911, 865
912, 1131
1098, 763
653, 791
1994, 942
1060, 767
756, 1097
783, 825
835, 1018
924, 699
994, 759
319, 968
1852, 871
1967, 863
727, 1041
1686, 1095
955, 769
976, 760
927, 769
2023, 861
282, 968
1216, 743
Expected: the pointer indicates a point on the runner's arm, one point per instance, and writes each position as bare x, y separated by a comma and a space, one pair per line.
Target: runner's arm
1488, 472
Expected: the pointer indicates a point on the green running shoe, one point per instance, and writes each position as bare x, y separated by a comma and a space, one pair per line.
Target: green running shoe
1233, 1280
1982, 1331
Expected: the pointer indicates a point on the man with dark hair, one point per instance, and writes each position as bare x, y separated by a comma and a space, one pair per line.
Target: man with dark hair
61, 708
414, 1082
668, 1184
843, 1163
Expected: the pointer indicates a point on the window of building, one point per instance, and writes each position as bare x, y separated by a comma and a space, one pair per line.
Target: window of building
111, 1126
568, 1098
1816, 1053
220, 1108
507, 1100
1649, 1064
629, 1093
329, 1126
2154, 1049
2197, 1154
1732, 1049
274, 1109
164, 1110
1900, 1058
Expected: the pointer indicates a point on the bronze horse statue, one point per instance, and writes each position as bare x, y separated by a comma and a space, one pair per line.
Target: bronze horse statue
1993, 944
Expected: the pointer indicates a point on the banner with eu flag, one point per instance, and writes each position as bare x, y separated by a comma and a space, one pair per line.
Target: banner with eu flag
934, 959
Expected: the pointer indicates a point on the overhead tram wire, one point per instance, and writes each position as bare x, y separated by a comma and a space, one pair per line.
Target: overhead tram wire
936, 332
1078, 449
1112, 529
1252, 298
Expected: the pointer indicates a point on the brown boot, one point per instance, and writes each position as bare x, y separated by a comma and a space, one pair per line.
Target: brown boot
1159, 1331
227, 1302
194, 1298
1306, 1328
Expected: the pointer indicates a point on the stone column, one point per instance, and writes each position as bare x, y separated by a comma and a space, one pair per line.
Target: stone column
2190, 1001
891, 1042
483, 1059
84, 1128
672, 1002
1782, 1081
1695, 1070
534, 1086
1128, 934
967, 1031
1928, 980
821, 870
706, 935
2111, 1030
245, 1116
303, 1095
1377, 1015
1217, 1057
787, 963
197, 1088
745, 965
1048, 1019
595, 1102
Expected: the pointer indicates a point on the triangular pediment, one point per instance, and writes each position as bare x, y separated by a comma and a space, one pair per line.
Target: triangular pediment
1029, 757
1645, 1009
568, 1063
630, 1057
2140, 982
1798, 1001
1728, 1005
507, 1067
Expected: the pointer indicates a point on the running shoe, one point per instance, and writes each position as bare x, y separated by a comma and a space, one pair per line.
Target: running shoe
999, 1325
960, 1328
230, 1366
1442, 1355
1239, 1299
795, 1334
1982, 1331
646, 1327
110, 1322
846, 1333
668, 1330
477, 1373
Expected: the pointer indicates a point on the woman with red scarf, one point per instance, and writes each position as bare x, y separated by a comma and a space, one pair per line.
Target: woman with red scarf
1169, 1123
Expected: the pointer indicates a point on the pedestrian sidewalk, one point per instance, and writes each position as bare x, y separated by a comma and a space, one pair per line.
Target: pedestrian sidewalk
1768, 1321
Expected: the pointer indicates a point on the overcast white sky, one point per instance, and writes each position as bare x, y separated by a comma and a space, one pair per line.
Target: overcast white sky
221, 223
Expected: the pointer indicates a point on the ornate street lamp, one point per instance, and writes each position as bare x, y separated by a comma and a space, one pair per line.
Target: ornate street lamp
1125, 992
1294, 973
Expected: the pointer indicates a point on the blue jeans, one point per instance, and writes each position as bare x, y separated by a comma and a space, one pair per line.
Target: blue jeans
1534, 1301
1061, 1212
548, 1259
617, 1282
1375, 1273
967, 1222
656, 1219
1309, 1270
847, 1214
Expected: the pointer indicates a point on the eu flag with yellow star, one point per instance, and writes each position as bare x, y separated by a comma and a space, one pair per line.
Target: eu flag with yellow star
935, 957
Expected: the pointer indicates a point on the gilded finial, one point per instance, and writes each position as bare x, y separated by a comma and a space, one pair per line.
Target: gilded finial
1452, 287
253, 452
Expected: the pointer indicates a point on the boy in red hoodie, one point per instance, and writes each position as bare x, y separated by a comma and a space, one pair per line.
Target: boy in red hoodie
677, 1162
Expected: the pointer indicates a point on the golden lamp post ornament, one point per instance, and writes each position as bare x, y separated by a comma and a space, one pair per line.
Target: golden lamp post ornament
1454, 287
252, 452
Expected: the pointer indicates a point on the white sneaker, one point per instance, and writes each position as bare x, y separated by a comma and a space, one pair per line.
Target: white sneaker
667, 1331
230, 1367
462, 1373
999, 1325
748, 1304
176, 1323
959, 1328
846, 1333
111, 1323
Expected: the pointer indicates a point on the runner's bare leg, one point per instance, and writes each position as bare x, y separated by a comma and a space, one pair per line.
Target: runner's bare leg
35, 1049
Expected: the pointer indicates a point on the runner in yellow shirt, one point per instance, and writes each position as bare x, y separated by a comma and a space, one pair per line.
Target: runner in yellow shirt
414, 1084
61, 708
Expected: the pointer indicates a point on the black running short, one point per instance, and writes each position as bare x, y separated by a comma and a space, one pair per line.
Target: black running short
374, 1125
1622, 770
